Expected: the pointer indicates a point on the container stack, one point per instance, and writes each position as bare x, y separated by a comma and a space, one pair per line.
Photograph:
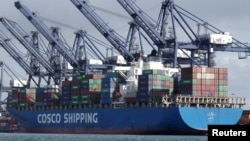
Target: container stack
109, 87
40, 101
51, 94
204, 82
153, 85
83, 89
13, 99
91, 89
75, 92
27, 96
66, 92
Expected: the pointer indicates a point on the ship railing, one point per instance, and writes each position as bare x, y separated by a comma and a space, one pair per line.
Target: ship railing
118, 105
217, 101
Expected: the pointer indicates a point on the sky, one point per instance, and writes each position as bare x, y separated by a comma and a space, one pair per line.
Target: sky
226, 15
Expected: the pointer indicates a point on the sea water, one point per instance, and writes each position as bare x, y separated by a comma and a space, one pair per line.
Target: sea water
95, 137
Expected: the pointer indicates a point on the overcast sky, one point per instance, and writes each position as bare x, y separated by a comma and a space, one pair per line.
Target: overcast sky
227, 15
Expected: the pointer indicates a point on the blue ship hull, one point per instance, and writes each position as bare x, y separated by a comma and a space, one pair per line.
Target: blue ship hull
154, 120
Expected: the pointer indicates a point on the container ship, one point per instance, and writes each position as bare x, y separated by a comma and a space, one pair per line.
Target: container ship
153, 99
158, 93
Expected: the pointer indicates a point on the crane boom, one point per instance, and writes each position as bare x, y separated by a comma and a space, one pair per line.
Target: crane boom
8, 46
143, 22
103, 28
62, 48
173, 16
20, 36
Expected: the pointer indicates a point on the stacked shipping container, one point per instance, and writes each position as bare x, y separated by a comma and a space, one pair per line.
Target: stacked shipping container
13, 98
203, 81
27, 96
90, 89
83, 89
51, 93
110, 87
74, 94
153, 85
45, 96
40, 101
66, 90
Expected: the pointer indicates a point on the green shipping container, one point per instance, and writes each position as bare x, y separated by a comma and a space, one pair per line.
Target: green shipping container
80, 77
111, 74
23, 104
153, 71
188, 81
85, 101
24, 90
74, 102
75, 87
75, 97
87, 81
86, 97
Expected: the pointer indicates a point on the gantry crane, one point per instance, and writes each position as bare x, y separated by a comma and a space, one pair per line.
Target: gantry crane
60, 46
10, 48
57, 43
53, 65
84, 47
81, 40
133, 47
21, 36
178, 16
57, 61
113, 37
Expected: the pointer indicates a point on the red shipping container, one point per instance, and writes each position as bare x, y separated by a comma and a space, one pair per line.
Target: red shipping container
66, 83
75, 82
131, 99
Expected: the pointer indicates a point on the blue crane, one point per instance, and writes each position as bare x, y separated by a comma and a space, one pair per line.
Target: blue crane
10, 48
21, 36
113, 37
60, 46
174, 16
90, 57
32, 45
84, 47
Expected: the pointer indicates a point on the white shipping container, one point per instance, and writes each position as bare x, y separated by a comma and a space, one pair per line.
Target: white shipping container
198, 76
203, 69
209, 76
